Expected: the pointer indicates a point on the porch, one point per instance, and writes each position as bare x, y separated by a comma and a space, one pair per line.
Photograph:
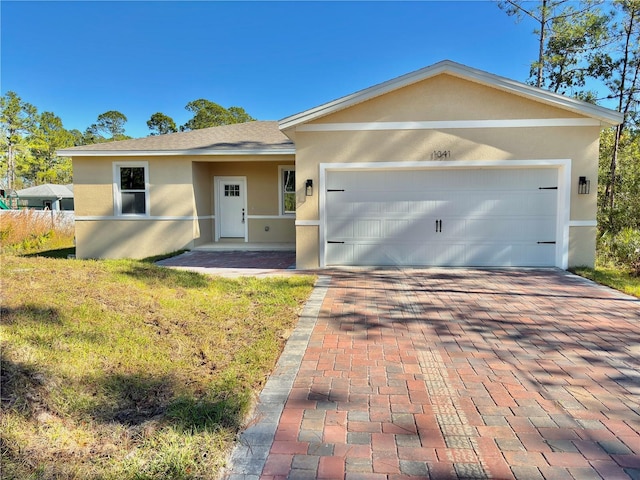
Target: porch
234, 262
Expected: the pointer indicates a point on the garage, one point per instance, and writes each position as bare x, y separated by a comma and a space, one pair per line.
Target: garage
497, 217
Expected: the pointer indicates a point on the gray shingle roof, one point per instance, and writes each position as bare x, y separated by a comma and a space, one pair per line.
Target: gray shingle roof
47, 190
258, 136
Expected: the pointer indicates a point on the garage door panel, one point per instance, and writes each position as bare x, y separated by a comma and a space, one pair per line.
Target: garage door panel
515, 255
538, 202
445, 254
474, 217
362, 254
484, 255
368, 229
502, 229
419, 180
401, 229
380, 254
340, 229
399, 207
339, 254
392, 230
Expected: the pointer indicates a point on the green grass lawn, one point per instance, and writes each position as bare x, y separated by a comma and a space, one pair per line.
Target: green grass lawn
613, 277
126, 370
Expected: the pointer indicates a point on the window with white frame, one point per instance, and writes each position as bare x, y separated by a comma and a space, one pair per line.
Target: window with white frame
131, 188
287, 191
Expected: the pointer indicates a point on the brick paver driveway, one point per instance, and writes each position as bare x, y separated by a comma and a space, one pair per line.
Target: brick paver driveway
454, 374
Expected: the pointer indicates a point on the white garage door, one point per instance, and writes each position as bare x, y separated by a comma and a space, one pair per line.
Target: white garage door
455, 217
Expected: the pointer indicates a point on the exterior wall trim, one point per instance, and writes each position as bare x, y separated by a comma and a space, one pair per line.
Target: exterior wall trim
450, 124
93, 218
307, 223
583, 223
564, 191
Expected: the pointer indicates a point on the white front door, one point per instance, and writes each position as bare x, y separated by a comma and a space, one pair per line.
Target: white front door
231, 209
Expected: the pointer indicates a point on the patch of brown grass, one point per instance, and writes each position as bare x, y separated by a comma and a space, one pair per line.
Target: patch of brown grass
28, 231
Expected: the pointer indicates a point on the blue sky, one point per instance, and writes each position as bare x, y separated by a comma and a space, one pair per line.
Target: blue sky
80, 59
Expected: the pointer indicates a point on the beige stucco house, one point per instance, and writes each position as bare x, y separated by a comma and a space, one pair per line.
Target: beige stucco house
445, 166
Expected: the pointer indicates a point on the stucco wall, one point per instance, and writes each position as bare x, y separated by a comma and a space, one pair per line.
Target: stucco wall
170, 185
582, 246
265, 224
131, 239
181, 204
447, 98
262, 181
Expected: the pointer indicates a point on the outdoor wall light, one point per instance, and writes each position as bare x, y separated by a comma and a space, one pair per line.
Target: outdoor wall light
584, 186
308, 189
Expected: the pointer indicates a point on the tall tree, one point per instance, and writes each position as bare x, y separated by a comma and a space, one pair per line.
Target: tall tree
624, 84
575, 50
160, 124
625, 211
48, 136
239, 115
108, 127
552, 18
17, 119
209, 114
91, 135
78, 138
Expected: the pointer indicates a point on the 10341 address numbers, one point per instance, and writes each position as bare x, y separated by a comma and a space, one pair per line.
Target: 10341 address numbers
441, 154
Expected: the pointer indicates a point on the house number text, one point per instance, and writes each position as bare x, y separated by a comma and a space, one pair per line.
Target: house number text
440, 154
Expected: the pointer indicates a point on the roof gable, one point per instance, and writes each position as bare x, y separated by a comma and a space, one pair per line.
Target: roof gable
604, 115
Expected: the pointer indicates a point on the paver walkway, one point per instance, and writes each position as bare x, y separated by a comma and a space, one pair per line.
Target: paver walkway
258, 263
453, 374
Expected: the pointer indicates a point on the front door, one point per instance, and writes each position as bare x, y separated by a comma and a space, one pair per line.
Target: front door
232, 207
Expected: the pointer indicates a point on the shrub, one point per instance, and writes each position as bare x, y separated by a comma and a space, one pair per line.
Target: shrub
625, 249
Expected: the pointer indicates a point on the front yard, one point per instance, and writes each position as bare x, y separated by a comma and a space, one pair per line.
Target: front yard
123, 370
126, 370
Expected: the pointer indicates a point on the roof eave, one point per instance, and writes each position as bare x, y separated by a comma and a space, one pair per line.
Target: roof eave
166, 153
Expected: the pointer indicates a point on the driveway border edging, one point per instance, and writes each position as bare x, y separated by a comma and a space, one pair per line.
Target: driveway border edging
250, 454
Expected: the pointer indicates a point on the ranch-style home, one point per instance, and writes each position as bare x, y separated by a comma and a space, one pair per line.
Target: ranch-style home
444, 166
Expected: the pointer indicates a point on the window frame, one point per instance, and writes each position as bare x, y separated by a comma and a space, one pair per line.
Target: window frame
281, 192
117, 189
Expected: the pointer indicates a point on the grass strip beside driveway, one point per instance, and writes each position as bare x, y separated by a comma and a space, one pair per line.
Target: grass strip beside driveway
613, 277
122, 369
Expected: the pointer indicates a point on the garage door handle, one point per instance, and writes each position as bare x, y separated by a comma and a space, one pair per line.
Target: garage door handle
438, 225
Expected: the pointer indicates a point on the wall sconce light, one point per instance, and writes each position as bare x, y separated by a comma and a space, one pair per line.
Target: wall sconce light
584, 186
308, 188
